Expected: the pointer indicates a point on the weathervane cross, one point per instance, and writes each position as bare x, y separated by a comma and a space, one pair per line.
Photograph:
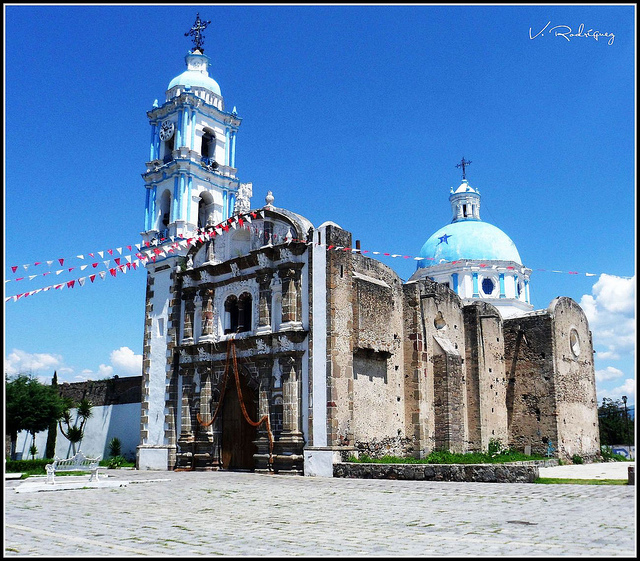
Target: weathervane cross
196, 31
463, 164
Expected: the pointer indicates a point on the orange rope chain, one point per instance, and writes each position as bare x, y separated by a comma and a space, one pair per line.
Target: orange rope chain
231, 348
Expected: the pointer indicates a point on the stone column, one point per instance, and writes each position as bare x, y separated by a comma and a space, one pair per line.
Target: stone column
186, 439
261, 457
264, 303
204, 435
291, 441
187, 332
291, 297
207, 312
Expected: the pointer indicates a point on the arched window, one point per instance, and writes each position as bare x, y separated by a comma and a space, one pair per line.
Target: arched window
205, 210
488, 286
164, 216
208, 149
238, 313
231, 314
245, 312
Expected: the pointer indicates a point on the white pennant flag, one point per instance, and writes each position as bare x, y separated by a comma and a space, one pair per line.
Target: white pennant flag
81, 281
60, 271
102, 274
26, 267
106, 263
101, 254
83, 267
80, 256
49, 263
128, 258
32, 277
138, 245
119, 250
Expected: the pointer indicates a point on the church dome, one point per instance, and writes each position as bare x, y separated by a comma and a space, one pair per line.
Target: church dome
196, 75
468, 240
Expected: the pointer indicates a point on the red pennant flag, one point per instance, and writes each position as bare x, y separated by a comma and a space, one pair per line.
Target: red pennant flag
113, 272
110, 251
94, 265
61, 261
14, 269
92, 277
71, 269
37, 262
117, 260
91, 254
71, 283
129, 247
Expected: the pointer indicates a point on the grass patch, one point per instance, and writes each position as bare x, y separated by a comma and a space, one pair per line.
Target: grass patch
444, 457
556, 480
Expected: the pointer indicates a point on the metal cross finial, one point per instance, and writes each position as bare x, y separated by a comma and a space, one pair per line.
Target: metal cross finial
196, 31
463, 164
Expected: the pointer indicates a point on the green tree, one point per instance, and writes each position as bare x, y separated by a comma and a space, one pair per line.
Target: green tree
30, 406
74, 432
614, 428
50, 450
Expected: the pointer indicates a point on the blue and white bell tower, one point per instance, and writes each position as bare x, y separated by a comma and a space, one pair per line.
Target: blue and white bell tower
191, 175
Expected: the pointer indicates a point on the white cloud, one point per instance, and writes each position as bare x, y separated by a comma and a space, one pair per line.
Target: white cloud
627, 388
610, 309
21, 362
127, 361
609, 373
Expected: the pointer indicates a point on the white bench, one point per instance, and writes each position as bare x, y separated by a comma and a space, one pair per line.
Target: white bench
79, 462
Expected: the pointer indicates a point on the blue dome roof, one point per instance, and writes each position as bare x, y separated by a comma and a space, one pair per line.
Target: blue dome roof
468, 239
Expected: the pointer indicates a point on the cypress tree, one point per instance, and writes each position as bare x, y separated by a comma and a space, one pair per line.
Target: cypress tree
50, 451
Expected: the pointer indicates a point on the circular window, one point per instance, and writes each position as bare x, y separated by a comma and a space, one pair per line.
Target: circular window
574, 342
488, 286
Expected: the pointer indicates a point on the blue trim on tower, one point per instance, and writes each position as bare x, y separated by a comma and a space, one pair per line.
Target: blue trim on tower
476, 294
502, 294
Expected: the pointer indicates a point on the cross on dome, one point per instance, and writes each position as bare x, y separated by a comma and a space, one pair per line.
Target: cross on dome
463, 164
196, 32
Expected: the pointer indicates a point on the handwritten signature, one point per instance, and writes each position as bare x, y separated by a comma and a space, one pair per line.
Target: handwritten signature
566, 32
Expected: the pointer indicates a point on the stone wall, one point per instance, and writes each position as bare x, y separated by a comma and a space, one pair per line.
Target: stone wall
481, 473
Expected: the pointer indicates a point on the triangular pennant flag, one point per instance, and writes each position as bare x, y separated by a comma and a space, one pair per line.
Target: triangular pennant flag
32, 277
37, 263
102, 274
129, 247
60, 271
47, 273
49, 263
71, 283
138, 245
14, 269
110, 251
71, 269
92, 278
26, 267
101, 253
94, 265
61, 261
91, 255
128, 258
113, 272
106, 263
83, 267
119, 250
47, 288
81, 281
80, 256
117, 260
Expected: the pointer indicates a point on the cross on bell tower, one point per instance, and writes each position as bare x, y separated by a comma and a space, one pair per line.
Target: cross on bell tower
196, 32
463, 164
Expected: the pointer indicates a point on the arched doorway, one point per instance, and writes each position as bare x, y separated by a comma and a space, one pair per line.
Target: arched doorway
238, 435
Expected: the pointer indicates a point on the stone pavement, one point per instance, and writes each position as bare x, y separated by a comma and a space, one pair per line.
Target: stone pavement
246, 514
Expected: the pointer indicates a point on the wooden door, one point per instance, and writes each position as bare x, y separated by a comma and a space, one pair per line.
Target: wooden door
238, 435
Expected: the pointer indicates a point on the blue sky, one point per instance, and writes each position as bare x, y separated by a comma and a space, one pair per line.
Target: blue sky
354, 114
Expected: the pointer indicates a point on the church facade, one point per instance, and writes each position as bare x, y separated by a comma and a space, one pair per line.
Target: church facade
272, 344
